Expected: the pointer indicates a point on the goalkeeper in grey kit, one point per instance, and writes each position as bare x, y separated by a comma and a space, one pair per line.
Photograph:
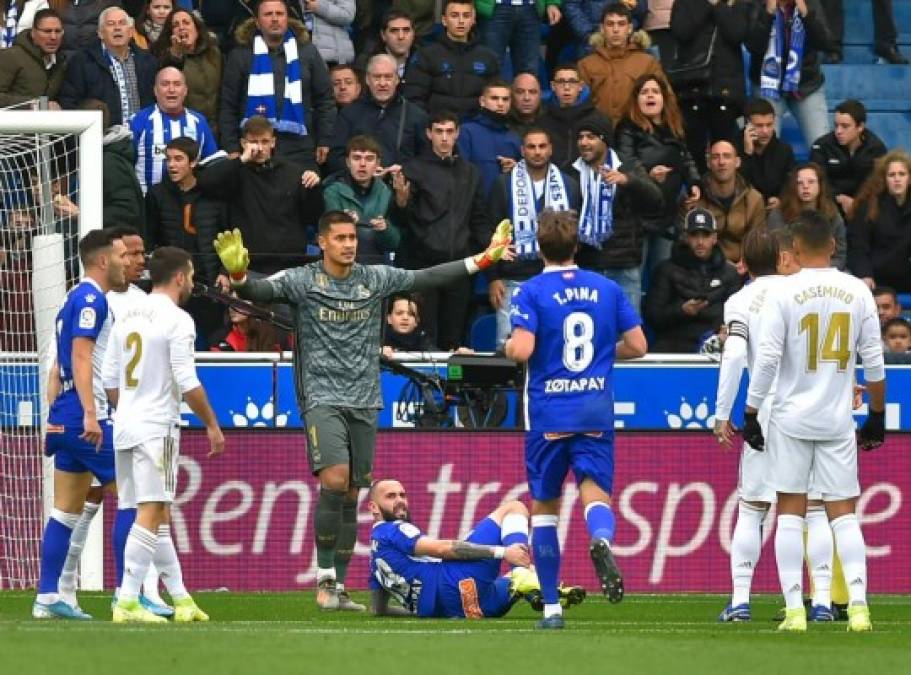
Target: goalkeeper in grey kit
337, 306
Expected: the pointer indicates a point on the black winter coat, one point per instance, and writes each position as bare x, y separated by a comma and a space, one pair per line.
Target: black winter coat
769, 171
446, 217
560, 124
847, 172
692, 23
637, 146
624, 249
88, 76
447, 75
270, 207
316, 89
818, 40
165, 226
366, 117
882, 249
685, 277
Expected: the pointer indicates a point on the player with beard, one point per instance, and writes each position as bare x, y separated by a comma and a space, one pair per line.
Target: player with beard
445, 578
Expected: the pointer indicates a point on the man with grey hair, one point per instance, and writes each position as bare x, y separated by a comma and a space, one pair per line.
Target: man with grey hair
397, 124
112, 70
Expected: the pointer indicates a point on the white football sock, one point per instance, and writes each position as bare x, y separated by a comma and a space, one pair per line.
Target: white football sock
746, 544
820, 549
67, 583
150, 583
853, 553
169, 565
140, 549
789, 555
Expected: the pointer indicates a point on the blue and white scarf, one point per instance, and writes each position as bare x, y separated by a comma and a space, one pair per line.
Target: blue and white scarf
771, 83
596, 221
12, 24
261, 88
524, 206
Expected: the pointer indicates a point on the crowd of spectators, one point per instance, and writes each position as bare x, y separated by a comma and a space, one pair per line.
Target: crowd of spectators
431, 121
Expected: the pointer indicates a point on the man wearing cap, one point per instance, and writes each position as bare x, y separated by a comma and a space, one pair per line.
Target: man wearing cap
685, 302
613, 195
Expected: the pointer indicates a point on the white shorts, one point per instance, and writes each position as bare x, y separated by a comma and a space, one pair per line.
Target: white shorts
753, 479
825, 467
147, 472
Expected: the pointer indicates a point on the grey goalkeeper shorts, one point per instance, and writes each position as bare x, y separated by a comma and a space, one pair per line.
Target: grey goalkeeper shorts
338, 435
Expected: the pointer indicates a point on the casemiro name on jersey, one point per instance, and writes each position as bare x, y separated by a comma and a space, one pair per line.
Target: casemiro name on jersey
824, 292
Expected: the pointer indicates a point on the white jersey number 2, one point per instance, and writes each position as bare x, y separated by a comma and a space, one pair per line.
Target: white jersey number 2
578, 333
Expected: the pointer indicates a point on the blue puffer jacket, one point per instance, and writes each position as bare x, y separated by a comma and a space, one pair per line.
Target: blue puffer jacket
482, 139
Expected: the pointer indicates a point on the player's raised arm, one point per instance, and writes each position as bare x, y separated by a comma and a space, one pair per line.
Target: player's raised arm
446, 273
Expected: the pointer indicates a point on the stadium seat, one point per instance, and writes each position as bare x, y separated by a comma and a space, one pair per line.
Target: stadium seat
483, 337
880, 87
859, 21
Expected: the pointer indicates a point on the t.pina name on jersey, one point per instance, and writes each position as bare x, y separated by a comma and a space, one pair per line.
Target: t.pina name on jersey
571, 293
567, 386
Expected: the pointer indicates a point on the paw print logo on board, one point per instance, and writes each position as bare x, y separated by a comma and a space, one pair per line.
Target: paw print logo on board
254, 415
688, 417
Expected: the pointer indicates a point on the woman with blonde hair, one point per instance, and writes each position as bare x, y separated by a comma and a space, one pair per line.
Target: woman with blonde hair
879, 225
806, 189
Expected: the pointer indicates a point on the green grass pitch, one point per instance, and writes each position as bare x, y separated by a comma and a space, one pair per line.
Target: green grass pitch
284, 632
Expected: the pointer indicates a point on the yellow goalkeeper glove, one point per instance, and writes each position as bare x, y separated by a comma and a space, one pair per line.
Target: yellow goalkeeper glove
498, 247
233, 254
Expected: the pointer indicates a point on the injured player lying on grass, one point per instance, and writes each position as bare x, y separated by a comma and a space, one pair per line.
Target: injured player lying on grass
439, 578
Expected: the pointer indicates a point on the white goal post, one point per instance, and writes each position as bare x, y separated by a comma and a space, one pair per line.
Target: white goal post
32, 141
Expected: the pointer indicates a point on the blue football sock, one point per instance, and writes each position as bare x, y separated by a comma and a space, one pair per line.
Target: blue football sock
546, 548
123, 521
514, 529
54, 547
600, 520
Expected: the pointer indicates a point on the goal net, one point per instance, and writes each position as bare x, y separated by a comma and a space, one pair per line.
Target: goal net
50, 192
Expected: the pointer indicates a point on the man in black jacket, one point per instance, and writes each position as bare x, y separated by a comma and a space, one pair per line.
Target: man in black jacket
685, 302
847, 154
271, 200
560, 118
450, 74
179, 214
764, 160
112, 70
607, 183
446, 217
307, 146
397, 124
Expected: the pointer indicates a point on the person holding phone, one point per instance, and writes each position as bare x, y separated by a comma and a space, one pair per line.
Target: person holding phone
685, 303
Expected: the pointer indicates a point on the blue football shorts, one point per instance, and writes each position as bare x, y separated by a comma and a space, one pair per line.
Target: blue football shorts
549, 457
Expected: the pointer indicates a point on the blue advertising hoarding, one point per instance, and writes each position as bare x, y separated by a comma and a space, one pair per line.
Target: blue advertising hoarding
649, 395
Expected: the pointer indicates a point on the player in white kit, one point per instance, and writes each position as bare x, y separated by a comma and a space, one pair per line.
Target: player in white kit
814, 329
149, 366
765, 253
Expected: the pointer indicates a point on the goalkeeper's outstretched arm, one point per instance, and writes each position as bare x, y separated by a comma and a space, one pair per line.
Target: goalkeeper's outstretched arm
446, 273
